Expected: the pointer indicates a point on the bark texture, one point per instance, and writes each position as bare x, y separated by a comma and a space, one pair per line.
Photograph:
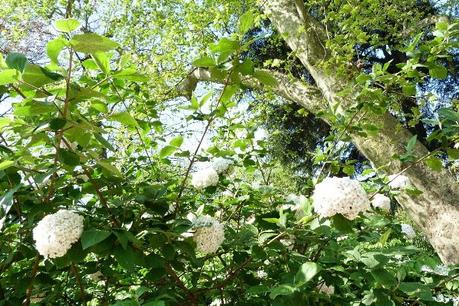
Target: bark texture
436, 210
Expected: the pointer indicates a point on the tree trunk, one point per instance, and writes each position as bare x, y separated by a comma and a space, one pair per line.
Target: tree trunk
436, 210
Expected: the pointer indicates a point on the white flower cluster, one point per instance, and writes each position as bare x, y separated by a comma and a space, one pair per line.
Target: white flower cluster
261, 274
381, 201
328, 290
221, 164
442, 270
399, 181
408, 230
55, 233
205, 178
209, 234
336, 195
209, 176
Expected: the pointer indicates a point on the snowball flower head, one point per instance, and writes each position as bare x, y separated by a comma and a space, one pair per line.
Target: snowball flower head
209, 236
399, 181
205, 178
221, 164
55, 233
336, 195
408, 231
381, 201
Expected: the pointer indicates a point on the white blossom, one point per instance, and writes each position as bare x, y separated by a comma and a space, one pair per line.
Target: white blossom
55, 233
329, 290
381, 201
408, 231
261, 274
96, 277
221, 164
442, 270
205, 178
399, 181
340, 195
209, 235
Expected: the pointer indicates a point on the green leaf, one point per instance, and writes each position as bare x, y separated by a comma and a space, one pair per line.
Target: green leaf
246, 67
54, 48
68, 157
411, 143
38, 76
416, 289
306, 272
448, 113
92, 237
246, 22
6, 164
167, 151
204, 62
409, 90
92, 42
130, 75
67, 25
438, 71
124, 118
33, 108
342, 224
102, 61
453, 153
128, 258
224, 45
109, 167
16, 61
383, 277
176, 141
8, 76
6, 200
57, 124
281, 290
434, 163
265, 78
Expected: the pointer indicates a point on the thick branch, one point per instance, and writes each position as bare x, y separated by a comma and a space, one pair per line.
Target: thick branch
287, 87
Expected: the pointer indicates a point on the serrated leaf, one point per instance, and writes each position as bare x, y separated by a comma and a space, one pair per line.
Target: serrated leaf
108, 166
434, 163
204, 62
131, 75
167, 151
102, 61
176, 141
92, 42
54, 48
92, 237
246, 22
124, 118
306, 272
8, 76
67, 25
438, 72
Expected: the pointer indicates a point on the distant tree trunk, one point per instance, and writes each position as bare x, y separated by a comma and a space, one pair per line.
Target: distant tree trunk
436, 210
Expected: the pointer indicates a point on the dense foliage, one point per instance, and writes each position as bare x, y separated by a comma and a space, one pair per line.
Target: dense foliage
95, 127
